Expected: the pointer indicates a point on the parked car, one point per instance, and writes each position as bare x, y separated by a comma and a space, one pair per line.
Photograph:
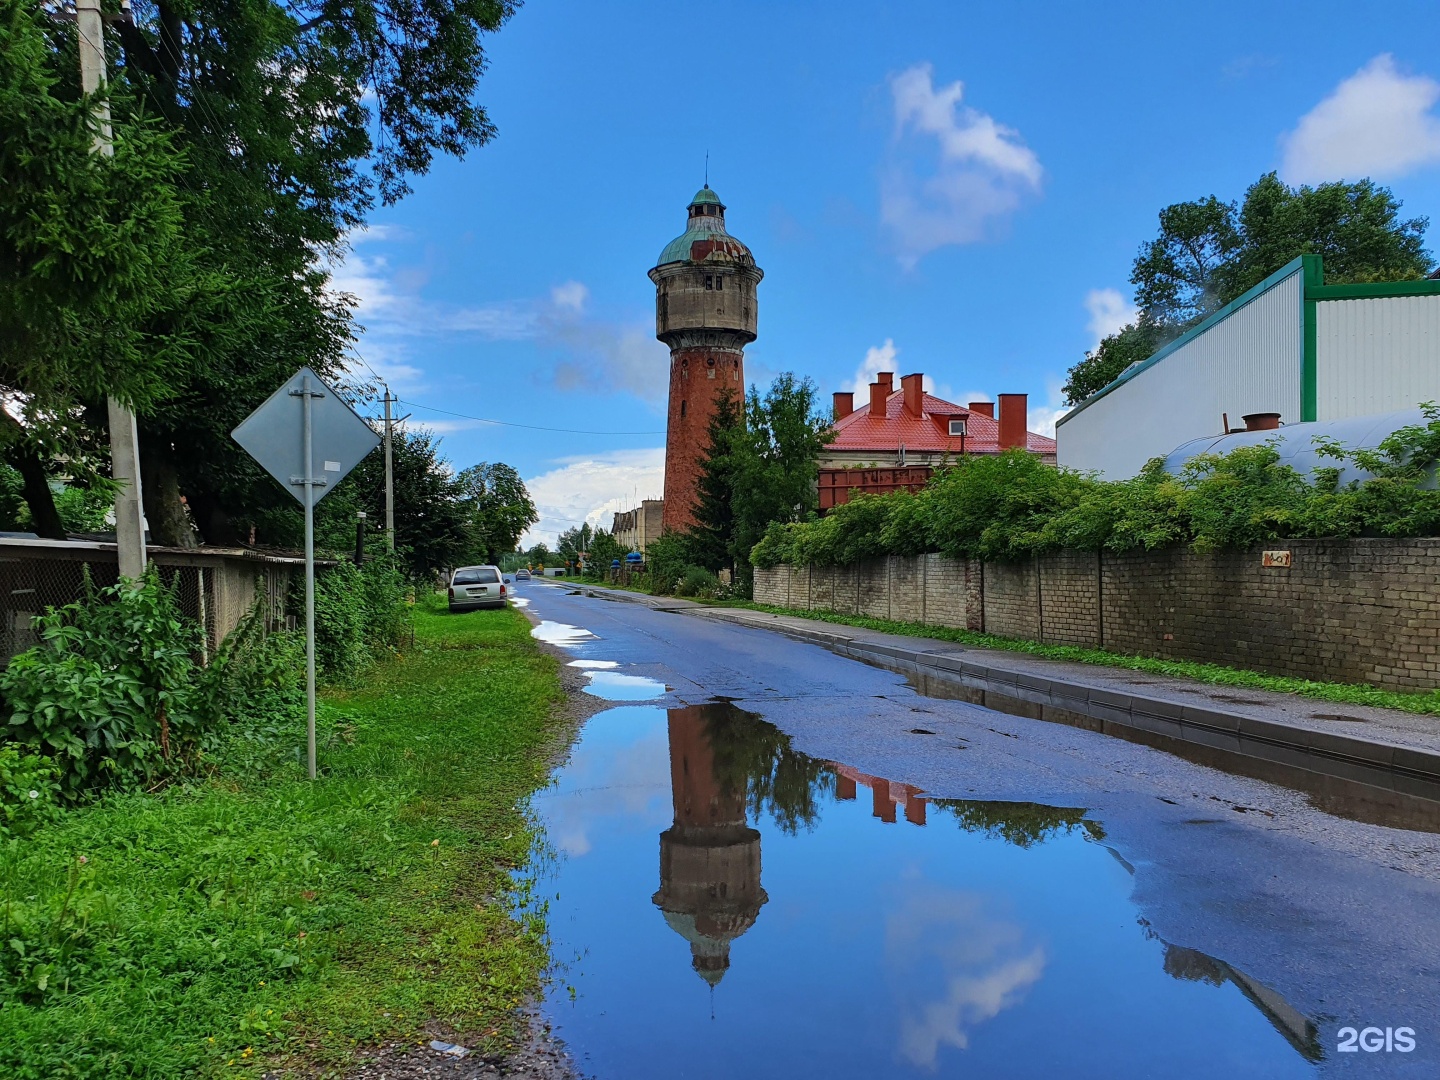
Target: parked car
474, 587
522, 575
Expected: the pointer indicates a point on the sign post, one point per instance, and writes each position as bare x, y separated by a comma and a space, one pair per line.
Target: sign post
327, 424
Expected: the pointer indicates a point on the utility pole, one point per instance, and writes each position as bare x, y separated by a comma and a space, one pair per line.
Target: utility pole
124, 437
389, 476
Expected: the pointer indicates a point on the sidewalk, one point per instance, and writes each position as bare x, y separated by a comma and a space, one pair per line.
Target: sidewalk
1382, 748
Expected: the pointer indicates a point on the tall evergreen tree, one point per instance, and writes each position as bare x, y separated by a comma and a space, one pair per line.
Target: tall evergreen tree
714, 529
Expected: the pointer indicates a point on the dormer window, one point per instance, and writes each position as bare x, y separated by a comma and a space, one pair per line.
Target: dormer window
957, 428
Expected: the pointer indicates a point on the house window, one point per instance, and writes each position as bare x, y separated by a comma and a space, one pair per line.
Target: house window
957, 428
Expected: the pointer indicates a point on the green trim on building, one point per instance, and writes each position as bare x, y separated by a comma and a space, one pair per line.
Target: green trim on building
1372, 290
1294, 265
1314, 270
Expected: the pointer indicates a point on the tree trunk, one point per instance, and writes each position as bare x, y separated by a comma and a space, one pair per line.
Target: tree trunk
160, 489
44, 518
216, 526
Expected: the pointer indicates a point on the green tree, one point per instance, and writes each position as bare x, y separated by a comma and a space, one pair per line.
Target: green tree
1209, 252
603, 550
497, 507
776, 462
92, 250
714, 529
295, 117
431, 523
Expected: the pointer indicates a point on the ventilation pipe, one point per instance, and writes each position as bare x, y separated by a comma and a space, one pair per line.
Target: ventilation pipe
844, 404
1261, 421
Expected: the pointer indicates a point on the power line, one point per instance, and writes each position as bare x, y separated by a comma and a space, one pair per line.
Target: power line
529, 427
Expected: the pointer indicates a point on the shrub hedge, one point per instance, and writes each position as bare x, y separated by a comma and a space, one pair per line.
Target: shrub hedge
1012, 506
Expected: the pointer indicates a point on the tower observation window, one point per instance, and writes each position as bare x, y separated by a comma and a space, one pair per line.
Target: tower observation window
709, 281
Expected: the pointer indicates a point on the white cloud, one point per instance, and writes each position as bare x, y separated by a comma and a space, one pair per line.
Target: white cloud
1378, 122
1041, 418
598, 354
961, 967
878, 358
591, 489
1109, 312
984, 168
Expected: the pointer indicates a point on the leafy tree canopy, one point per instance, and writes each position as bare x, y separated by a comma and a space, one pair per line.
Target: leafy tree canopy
1209, 252
497, 506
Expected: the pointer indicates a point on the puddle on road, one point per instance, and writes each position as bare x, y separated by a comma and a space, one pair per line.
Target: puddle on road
559, 633
598, 665
612, 686
882, 934
1335, 795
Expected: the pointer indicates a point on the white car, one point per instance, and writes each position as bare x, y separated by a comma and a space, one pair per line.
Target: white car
474, 587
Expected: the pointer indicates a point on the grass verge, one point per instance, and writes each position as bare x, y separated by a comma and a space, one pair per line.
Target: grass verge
1344, 693
256, 916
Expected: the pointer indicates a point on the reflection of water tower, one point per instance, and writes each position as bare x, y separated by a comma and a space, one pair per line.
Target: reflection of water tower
710, 889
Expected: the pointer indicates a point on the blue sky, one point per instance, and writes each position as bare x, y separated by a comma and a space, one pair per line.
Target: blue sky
952, 188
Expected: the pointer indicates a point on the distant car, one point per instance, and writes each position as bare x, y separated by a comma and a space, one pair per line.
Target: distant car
474, 587
522, 575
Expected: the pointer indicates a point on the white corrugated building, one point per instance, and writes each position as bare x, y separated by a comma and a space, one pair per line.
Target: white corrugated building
1291, 345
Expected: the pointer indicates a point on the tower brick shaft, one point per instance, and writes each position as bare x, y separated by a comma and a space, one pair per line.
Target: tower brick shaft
705, 310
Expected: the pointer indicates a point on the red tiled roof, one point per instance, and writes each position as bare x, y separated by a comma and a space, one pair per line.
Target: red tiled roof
924, 434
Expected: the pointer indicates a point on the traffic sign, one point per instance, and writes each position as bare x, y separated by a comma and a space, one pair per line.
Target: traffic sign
300, 426
274, 436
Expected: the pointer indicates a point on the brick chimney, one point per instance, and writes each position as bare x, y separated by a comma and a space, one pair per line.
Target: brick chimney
914, 387
880, 390
984, 408
1012, 421
844, 404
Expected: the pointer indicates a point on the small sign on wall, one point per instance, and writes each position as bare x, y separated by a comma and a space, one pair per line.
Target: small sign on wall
1275, 558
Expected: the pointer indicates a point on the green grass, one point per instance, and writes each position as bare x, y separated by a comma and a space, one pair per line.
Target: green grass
1344, 693
242, 919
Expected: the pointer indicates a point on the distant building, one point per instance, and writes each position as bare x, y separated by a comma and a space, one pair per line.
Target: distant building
1290, 350
899, 437
705, 310
634, 529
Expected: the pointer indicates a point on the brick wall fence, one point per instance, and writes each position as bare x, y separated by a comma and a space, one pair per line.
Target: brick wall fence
1356, 610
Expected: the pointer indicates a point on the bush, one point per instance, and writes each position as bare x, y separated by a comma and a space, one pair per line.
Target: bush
29, 791
697, 581
666, 560
110, 691
1012, 506
360, 613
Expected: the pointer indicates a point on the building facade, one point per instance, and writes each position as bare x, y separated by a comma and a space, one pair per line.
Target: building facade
897, 440
705, 311
634, 529
1291, 346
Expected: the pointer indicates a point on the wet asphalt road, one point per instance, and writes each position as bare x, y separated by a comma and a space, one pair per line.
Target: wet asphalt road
1339, 917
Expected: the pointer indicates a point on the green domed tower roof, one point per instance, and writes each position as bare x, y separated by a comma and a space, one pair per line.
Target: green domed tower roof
706, 228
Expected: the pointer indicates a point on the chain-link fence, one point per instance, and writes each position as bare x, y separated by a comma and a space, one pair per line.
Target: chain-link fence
214, 589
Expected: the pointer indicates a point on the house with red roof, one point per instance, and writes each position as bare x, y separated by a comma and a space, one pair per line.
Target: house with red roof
896, 442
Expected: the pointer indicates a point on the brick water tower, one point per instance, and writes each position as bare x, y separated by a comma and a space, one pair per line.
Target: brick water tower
705, 311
